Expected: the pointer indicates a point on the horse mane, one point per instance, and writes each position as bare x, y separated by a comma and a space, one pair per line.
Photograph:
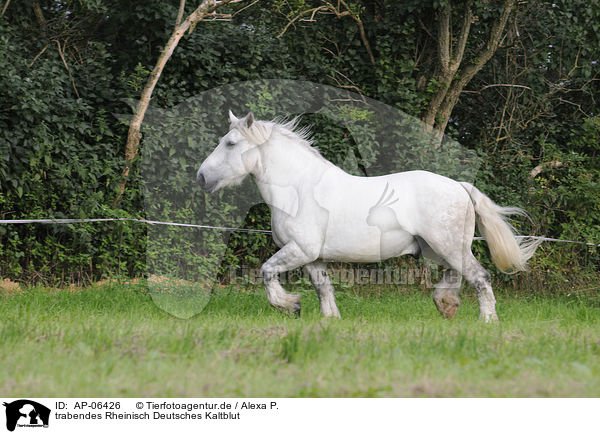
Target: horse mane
261, 131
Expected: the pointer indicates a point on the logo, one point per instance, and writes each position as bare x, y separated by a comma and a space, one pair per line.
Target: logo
26, 413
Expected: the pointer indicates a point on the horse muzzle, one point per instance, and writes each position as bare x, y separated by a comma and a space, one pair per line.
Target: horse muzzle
203, 183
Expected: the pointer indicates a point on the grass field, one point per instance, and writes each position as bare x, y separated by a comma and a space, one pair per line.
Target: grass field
111, 340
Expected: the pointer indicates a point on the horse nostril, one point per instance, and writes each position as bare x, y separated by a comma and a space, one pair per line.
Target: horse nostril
201, 180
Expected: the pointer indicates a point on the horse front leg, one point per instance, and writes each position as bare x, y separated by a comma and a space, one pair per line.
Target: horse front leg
290, 256
320, 279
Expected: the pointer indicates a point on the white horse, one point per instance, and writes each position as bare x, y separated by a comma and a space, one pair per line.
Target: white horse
320, 213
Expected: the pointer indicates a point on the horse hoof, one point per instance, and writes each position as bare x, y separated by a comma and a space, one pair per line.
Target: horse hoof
447, 306
295, 309
291, 304
489, 318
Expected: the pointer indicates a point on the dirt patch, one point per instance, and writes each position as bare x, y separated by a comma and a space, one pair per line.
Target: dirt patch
131, 284
426, 388
268, 332
7, 286
513, 336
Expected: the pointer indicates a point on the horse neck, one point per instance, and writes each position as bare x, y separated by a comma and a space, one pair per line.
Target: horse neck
288, 163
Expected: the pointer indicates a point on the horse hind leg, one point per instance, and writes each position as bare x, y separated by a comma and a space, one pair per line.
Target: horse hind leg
320, 280
480, 279
445, 294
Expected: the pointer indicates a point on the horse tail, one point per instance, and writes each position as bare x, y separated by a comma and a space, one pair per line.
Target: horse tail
508, 253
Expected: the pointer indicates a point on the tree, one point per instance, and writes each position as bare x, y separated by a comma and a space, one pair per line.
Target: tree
455, 66
206, 9
454, 72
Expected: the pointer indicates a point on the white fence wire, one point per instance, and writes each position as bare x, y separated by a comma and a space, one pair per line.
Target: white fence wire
222, 228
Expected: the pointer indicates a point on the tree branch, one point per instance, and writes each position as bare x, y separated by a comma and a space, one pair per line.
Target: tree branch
444, 40
361, 30
297, 17
328, 6
62, 56
445, 76
486, 54
180, 12
4, 8
496, 85
39, 15
449, 63
464, 35
38, 55
541, 167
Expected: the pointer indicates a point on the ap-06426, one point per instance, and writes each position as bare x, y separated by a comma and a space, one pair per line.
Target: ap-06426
97, 405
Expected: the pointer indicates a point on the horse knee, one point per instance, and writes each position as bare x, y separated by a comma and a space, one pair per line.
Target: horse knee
267, 273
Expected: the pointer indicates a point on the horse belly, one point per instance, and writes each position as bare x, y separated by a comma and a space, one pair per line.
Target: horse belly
363, 243
362, 229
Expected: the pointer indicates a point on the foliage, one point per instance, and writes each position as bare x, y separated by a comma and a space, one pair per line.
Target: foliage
60, 155
61, 147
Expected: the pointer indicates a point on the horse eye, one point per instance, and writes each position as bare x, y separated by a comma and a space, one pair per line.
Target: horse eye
230, 144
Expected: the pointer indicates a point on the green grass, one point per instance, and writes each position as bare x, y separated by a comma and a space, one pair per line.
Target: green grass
113, 341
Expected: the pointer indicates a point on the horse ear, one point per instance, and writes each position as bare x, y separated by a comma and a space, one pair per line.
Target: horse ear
232, 117
249, 119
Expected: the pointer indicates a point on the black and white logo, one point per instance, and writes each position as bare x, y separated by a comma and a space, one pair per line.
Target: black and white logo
25, 413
